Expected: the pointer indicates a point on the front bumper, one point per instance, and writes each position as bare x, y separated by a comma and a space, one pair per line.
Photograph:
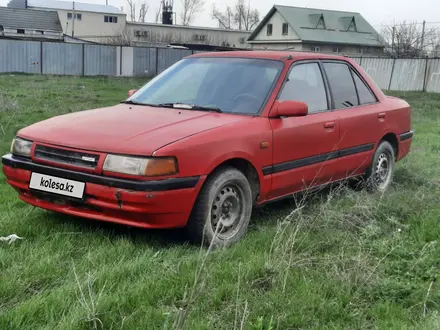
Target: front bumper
147, 204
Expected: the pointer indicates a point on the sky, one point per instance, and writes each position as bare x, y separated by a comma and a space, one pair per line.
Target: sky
377, 12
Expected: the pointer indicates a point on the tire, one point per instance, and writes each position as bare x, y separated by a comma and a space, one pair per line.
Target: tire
226, 192
380, 174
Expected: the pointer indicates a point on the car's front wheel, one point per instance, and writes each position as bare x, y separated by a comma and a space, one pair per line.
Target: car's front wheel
380, 174
222, 210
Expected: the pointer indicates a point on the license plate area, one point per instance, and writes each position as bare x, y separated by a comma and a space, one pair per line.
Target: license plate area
56, 185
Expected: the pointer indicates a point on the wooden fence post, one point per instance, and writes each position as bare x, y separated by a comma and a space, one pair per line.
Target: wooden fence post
41, 57
392, 72
83, 60
157, 61
425, 78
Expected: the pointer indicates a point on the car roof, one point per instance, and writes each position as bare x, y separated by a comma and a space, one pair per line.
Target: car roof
269, 55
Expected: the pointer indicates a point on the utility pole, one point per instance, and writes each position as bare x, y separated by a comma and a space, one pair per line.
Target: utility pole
392, 40
423, 36
73, 19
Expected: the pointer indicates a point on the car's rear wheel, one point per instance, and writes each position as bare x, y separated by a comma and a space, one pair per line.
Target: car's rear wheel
223, 209
381, 172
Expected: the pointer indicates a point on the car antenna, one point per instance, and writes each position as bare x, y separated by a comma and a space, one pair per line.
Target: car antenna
288, 57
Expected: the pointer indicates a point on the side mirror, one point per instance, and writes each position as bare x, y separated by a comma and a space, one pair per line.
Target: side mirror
289, 109
131, 92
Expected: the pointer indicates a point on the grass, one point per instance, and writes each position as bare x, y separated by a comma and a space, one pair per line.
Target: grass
336, 260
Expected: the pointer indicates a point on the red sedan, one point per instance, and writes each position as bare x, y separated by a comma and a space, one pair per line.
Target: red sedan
210, 138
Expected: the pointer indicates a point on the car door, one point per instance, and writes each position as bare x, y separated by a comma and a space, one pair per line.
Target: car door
303, 146
359, 117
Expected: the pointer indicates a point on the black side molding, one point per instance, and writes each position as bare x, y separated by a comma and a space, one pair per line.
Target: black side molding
159, 185
406, 136
316, 159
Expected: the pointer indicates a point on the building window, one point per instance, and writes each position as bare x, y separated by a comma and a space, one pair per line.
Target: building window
337, 50
39, 32
20, 31
316, 49
285, 29
269, 29
110, 19
78, 17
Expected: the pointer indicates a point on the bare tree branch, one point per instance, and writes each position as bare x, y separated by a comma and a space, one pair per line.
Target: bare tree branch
245, 17
157, 17
143, 13
408, 40
225, 19
133, 16
241, 16
190, 9
123, 39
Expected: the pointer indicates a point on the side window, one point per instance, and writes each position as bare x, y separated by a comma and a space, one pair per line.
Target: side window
341, 85
365, 95
305, 84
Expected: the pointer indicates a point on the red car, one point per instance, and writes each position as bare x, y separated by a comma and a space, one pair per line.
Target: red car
211, 137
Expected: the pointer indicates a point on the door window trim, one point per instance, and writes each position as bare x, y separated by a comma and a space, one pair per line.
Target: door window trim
323, 76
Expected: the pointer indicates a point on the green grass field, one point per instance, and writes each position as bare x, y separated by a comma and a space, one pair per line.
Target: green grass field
343, 260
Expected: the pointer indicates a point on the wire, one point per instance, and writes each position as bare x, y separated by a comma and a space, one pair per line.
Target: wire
404, 24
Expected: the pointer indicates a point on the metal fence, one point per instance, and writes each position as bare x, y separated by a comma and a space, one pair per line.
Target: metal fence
85, 59
418, 74
91, 60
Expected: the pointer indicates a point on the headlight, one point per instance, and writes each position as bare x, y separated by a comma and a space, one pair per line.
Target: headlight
21, 147
140, 166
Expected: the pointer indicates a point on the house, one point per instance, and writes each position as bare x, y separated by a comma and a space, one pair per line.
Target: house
318, 30
194, 37
30, 24
91, 22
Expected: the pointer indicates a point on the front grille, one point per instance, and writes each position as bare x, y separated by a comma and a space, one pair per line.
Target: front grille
68, 157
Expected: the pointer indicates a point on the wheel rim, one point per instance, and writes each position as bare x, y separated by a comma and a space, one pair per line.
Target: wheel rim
383, 171
227, 211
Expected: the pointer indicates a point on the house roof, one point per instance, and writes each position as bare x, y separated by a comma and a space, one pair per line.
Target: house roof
326, 26
80, 6
15, 18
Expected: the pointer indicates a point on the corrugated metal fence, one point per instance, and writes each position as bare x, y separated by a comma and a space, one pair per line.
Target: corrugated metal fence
91, 60
418, 74
85, 59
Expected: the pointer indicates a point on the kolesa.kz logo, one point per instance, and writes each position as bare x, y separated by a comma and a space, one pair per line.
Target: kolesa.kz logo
56, 185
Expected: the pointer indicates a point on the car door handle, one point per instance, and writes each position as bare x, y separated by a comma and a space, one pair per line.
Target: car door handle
381, 115
330, 124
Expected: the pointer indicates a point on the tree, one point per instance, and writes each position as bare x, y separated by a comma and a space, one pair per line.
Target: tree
190, 9
137, 16
123, 39
245, 17
241, 15
407, 40
225, 19
157, 15
435, 52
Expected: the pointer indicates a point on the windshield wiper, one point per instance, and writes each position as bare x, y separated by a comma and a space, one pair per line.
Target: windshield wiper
139, 103
189, 106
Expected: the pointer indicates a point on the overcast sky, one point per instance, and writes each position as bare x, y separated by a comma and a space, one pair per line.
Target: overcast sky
377, 12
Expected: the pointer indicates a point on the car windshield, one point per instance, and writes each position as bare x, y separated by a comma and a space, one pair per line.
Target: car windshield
231, 85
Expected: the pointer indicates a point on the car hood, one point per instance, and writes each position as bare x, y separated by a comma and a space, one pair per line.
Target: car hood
126, 129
